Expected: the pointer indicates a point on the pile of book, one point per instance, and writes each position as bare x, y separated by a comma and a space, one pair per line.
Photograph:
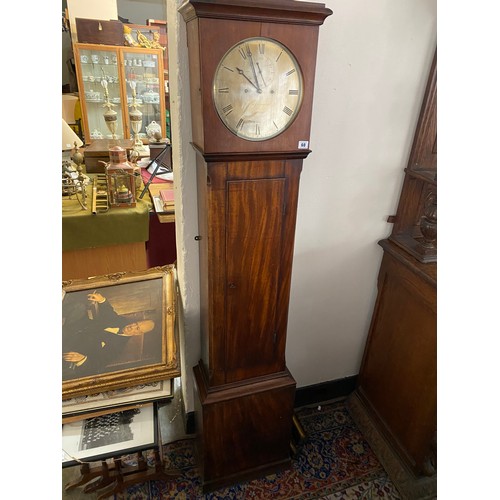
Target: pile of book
164, 203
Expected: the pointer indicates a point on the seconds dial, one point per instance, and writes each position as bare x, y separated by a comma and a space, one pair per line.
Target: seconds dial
257, 88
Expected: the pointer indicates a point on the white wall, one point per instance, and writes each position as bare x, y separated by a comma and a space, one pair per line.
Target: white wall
373, 61
372, 67
137, 11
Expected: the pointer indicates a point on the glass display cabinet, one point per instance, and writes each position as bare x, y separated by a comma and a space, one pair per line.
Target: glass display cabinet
117, 84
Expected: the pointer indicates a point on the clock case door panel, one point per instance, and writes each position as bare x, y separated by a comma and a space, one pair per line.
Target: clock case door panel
246, 256
253, 242
210, 135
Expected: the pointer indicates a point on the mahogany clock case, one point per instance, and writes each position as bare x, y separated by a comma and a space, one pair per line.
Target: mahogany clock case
210, 135
247, 203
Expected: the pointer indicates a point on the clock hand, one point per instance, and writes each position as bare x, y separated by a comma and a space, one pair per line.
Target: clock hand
249, 54
260, 71
240, 71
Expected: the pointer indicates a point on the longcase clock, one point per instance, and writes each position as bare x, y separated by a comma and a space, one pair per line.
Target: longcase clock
252, 66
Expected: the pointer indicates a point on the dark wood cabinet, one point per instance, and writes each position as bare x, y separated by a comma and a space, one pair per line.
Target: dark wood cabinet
398, 376
395, 402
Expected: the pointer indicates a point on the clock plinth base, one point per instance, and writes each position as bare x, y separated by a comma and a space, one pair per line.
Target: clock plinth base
244, 430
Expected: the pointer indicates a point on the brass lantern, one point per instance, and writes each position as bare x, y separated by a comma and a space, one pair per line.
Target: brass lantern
121, 179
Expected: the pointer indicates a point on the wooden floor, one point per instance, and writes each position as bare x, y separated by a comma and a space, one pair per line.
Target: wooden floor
172, 428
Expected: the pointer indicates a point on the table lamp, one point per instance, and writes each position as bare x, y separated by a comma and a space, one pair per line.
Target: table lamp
68, 108
69, 141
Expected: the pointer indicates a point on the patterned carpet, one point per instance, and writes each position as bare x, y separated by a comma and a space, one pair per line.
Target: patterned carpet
334, 461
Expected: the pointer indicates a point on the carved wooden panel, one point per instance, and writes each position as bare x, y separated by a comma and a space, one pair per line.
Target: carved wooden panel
418, 200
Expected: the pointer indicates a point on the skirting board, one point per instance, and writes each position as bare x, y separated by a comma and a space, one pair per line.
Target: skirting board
409, 486
325, 391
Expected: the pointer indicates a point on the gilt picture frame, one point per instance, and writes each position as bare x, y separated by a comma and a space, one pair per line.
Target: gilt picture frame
118, 330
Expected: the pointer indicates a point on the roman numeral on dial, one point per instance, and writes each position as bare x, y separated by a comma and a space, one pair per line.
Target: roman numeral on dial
227, 109
287, 110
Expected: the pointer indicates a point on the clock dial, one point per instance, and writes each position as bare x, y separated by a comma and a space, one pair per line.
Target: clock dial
257, 89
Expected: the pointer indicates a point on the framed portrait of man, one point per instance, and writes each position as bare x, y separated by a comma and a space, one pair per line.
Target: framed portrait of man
118, 331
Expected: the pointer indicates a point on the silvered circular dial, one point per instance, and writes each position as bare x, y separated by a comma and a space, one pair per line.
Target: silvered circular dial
257, 88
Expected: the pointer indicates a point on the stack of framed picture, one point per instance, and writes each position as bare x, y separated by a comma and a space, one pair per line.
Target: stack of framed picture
110, 435
104, 402
119, 358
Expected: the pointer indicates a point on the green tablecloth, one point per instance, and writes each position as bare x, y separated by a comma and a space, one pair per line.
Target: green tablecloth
117, 226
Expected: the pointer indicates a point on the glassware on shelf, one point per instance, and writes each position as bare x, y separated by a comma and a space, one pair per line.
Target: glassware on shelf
109, 108
96, 134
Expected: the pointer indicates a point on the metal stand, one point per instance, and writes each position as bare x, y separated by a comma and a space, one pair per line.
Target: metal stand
158, 161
